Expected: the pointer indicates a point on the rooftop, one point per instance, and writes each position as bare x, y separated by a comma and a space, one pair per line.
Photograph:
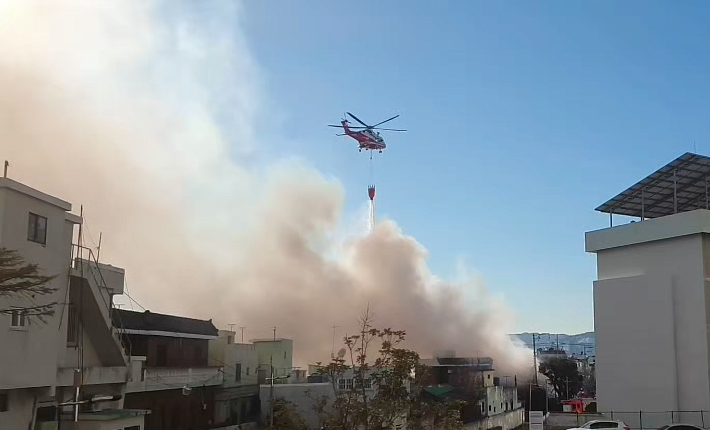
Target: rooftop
679, 186
270, 339
482, 363
29, 191
153, 323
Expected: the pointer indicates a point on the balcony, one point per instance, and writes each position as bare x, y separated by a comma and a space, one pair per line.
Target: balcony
93, 375
170, 378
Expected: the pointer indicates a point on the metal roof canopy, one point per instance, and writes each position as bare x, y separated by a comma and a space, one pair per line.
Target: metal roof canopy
679, 186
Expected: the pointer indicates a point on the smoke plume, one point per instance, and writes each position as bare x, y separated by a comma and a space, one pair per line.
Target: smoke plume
145, 113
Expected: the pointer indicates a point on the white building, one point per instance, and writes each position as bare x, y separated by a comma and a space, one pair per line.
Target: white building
652, 293
38, 359
237, 402
280, 351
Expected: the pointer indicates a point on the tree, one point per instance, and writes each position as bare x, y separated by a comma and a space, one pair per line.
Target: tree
384, 391
18, 280
563, 375
286, 417
589, 384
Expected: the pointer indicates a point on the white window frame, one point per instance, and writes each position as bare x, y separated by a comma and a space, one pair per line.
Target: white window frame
18, 320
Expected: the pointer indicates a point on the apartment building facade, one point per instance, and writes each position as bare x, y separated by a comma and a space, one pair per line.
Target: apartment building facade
170, 372
44, 360
652, 293
237, 400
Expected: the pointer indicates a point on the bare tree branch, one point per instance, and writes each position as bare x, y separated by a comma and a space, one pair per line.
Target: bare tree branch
19, 279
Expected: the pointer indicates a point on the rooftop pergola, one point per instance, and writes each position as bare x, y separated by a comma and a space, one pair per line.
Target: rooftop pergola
679, 186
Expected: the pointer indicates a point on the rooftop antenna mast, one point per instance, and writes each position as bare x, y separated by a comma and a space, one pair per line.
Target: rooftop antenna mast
332, 350
242, 330
7, 164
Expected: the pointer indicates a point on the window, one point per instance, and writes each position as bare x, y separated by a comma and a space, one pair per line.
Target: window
489, 375
367, 383
604, 425
230, 339
37, 229
237, 372
161, 356
489, 408
71, 325
3, 402
19, 319
247, 371
345, 384
284, 355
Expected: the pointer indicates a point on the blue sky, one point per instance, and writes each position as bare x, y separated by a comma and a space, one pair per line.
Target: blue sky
522, 118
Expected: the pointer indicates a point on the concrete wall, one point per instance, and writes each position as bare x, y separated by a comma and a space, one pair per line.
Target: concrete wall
246, 355
282, 351
507, 421
28, 357
216, 347
20, 409
651, 315
500, 400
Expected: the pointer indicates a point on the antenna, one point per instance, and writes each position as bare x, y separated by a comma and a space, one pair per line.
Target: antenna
231, 327
332, 350
98, 247
242, 329
7, 164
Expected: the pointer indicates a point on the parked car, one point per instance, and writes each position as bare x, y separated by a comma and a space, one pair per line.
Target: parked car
608, 424
680, 427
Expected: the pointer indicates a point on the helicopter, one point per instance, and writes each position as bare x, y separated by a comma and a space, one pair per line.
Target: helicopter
366, 136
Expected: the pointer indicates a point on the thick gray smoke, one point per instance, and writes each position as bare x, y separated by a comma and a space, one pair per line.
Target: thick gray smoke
145, 113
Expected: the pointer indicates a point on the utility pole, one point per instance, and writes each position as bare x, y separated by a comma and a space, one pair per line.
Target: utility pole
271, 389
534, 335
242, 329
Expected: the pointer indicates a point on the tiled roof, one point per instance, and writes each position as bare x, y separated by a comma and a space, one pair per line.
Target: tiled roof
152, 321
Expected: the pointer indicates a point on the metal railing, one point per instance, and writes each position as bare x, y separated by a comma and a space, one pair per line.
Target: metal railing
77, 258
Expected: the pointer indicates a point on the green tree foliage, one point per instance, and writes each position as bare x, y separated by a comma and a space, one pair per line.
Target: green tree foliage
21, 280
385, 391
563, 375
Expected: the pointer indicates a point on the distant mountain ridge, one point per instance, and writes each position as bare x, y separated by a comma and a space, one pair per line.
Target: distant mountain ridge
573, 344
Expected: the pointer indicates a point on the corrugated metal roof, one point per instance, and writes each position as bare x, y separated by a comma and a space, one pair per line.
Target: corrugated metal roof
679, 186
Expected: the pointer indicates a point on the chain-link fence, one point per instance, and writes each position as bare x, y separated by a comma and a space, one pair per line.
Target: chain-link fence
643, 420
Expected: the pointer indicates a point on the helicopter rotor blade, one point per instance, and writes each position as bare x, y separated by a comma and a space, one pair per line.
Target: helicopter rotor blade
336, 126
389, 129
387, 120
357, 119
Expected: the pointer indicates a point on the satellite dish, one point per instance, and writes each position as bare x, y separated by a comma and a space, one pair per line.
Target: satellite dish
341, 353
